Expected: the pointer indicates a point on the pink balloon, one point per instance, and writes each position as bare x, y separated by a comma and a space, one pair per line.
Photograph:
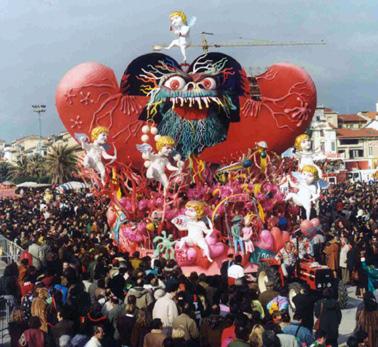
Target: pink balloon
126, 204
123, 201
265, 240
159, 202
216, 247
141, 228
191, 254
142, 204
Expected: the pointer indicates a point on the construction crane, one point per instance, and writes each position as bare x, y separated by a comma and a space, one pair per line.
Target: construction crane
205, 45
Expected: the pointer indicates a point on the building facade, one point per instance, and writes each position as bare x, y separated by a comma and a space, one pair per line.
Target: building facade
350, 137
34, 145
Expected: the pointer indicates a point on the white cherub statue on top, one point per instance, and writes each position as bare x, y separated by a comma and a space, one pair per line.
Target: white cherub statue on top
96, 151
156, 163
309, 187
305, 154
193, 222
181, 28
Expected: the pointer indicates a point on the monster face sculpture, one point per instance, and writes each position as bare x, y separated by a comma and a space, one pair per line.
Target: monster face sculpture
194, 107
208, 109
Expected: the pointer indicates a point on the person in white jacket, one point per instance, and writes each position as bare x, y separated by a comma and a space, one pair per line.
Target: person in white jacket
345, 248
95, 340
165, 308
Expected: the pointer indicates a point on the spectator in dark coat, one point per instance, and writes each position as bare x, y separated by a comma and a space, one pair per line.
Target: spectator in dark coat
63, 327
117, 283
304, 306
125, 325
16, 326
327, 310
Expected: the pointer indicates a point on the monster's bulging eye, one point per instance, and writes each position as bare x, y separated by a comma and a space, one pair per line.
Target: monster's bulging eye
208, 83
175, 83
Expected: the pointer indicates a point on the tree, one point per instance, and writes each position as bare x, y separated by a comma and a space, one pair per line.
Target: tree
36, 167
20, 169
61, 163
5, 171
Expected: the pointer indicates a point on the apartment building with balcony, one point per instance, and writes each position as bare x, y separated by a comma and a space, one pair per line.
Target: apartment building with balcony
350, 137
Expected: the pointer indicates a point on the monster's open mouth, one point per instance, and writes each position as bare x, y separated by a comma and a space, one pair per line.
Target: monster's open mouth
195, 108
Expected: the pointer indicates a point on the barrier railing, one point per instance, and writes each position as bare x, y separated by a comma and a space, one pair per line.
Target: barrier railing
9, 251
6, 306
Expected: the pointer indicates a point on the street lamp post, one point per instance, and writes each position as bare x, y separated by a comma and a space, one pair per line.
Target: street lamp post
39, 109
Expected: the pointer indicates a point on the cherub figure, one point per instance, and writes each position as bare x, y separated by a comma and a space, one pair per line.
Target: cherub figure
181, 28
247, 233
308, 189
305, 154
156, 163
193, 222
96, 151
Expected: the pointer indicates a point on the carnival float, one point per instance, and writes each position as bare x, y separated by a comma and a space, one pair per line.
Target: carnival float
191, 158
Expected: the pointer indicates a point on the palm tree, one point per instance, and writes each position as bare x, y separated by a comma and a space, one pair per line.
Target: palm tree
5, 171
61, 163
36, 166
20, 168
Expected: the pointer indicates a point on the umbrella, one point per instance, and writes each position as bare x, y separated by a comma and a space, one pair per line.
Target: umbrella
32, 185
73, 185
8, 183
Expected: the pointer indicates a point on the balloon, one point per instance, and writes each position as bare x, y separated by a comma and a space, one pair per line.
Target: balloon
126, 204
90, 90
142, 205
279, 238
150, 227
191, 254
141, 228
216, 248
265, 240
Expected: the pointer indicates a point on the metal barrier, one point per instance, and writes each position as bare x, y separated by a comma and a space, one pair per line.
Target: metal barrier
9, 251
6, 305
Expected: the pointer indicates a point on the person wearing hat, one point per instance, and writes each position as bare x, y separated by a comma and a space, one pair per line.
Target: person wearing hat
165, 308
235, 232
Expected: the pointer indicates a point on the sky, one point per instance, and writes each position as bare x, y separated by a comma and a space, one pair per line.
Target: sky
41, 39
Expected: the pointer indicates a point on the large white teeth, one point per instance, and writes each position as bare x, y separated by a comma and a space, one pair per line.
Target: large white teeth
191, 101
198, 99
216, 100
173, 102
206, 100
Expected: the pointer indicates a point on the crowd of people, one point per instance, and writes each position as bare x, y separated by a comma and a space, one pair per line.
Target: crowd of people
72, 287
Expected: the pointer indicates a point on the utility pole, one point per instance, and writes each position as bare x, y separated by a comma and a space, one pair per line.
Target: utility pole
39, 109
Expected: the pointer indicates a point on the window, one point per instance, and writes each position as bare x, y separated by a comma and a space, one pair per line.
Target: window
349, 142
370, 151
333, 146
356, 153
322, 147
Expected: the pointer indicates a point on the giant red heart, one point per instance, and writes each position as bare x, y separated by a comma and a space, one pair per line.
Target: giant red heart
154, 86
